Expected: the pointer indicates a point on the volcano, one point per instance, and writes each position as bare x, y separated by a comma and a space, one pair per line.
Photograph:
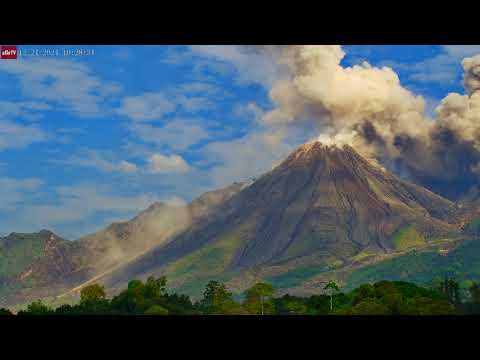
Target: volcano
319, 211
322, 202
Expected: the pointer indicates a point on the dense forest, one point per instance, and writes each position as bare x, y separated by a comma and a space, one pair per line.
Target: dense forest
381, 298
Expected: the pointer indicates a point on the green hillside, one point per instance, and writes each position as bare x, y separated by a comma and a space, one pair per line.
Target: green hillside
18, 251
191, 273
462, 262
406, 238
296, 276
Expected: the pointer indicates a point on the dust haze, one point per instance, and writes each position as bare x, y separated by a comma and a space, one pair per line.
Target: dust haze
121, 242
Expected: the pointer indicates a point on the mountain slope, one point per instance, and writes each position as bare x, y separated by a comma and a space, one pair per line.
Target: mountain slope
153, 227
43, 264
38, 264
328, 203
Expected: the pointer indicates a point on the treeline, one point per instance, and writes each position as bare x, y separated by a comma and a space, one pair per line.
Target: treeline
381, 298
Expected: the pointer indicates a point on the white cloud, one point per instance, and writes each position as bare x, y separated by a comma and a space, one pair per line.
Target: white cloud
248, 66
80, 203
64, 82
194, 103
14, 192
197, 87
161, 164
29, 110
441, 69
95, 159
146, 107
15, 135
444, 68
178, 134
126, 167
249, 111
461, 51
154, 106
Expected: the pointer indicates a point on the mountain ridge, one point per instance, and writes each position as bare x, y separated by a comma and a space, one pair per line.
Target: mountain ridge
274, 215
320, 209
41, 275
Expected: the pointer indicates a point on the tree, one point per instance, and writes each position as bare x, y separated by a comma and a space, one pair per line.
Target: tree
332, 287
474, 291
65, 309
154, 288
216, 299
92, 293
131, 300
156, 310
366, 291
428, 306
319, 304
134, 284
178, 304
296, 308
37, 308
451, 290
258, 296
5, 312
369, 307
92, 300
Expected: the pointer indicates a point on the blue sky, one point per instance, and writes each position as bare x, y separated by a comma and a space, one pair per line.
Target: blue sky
85, 141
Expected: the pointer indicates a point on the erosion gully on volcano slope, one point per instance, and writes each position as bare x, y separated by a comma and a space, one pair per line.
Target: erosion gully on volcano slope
325, 200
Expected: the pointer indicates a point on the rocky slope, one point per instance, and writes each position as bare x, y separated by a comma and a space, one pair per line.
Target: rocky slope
39, 264
322, 205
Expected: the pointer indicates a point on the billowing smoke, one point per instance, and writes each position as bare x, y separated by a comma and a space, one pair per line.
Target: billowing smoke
368, 108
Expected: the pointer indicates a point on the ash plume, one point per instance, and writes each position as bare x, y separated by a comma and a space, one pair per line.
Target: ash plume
368, 108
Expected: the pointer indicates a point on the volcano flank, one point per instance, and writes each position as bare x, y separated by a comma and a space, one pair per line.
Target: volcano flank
326, 202
323, 208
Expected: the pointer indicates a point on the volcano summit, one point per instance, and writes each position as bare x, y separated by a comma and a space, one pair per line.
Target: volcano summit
325, 203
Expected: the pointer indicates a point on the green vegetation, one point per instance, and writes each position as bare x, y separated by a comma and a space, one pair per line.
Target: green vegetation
424, 267
305, 245
407, 238
217, 300
5, 312
332, 287
194, 271
297, 276
156, 310
16, 255
382, 298
259, 299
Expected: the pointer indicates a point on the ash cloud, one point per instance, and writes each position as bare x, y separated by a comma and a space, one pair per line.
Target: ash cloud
368, 108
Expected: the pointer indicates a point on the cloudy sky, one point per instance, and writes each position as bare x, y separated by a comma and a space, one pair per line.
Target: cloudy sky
88, 140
